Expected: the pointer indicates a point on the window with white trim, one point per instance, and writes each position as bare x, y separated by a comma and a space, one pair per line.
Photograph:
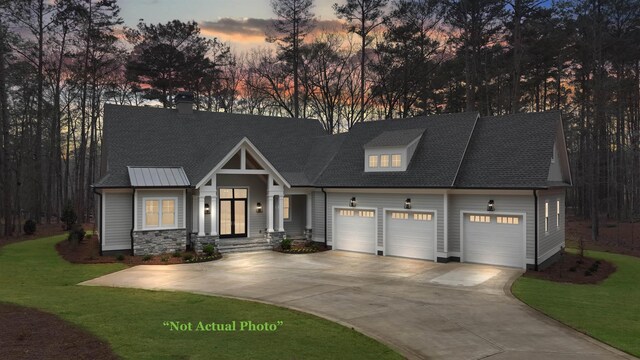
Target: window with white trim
399, 215
373, 161
384, 161
558, 214
286, 208
160, 213
366, 213
546, 216
422, 217
346, 212
396, 160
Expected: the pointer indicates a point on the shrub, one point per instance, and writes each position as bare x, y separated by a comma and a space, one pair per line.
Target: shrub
69, 216
146, 258
187, 257
164, 258
76, 234
176, 254
29, 227
573, 269
120, 257
209, 249
286, 244
588, 273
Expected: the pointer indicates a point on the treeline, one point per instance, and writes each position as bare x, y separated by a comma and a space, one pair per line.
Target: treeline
62, 60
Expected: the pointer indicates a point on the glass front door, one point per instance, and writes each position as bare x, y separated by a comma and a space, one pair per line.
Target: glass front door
233, 213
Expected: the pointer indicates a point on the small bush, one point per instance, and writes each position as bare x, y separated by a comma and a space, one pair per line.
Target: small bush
146, 258
286, 244
573, 269
29, 227
176, 254
69, 216
164, 258
209, 249
76, 234
187, 257
588, 273
120, 257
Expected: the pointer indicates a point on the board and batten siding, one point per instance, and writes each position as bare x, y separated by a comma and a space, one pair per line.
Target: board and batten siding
297, 215
550, 242
317, 221
257, 186
142, 194
387, 201
118, 220
503, 203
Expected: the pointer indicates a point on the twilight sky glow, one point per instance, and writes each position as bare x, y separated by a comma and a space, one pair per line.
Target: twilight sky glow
241, 23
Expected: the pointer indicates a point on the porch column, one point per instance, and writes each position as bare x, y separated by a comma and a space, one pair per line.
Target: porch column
281, 211
269, 212
214, 214
194, 213
309, 210
201, 215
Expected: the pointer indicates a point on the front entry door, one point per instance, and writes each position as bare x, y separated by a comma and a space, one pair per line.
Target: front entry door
233, 213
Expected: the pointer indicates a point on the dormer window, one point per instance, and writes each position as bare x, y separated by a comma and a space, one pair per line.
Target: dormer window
391, 150
373, 161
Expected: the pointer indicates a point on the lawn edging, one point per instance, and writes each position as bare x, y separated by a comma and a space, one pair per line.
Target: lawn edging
566, 306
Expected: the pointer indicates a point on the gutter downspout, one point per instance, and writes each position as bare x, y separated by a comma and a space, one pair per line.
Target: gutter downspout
535, 206
100, 220
325, 217
133, 217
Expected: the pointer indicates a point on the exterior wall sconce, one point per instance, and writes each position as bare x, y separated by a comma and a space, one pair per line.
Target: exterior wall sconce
407, 203
490, 206
207, 209
352, 202
259, 208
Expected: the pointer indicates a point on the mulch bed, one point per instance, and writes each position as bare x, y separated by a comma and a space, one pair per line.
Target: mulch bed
88, 252
615, 237
571, 268
27, 333
300, 247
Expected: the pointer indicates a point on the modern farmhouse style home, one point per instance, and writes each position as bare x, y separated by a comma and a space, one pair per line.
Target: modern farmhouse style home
456, 187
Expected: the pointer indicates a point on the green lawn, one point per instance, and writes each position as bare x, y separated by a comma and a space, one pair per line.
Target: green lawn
32, 274
609, 312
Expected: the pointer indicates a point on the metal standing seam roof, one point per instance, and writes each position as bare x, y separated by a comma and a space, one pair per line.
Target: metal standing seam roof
157, 177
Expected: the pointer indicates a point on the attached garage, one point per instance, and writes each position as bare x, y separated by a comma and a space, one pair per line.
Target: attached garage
355, 230
496, 239
410, 234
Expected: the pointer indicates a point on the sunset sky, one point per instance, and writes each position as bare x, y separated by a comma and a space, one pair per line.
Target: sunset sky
241, 23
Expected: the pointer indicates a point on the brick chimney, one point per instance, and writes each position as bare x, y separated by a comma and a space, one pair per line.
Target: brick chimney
184, 103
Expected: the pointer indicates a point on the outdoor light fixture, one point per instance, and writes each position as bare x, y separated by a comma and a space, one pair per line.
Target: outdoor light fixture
259, 208
490, 206
352, 202
407, 204
207, 209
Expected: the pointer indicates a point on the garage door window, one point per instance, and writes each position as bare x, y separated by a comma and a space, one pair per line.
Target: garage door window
368, 214
346, 213
508, 220
422, 217
480, 218
400, 215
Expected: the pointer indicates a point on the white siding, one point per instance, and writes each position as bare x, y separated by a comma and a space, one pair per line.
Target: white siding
117, 220
317, 222
257, 194
503, 203
298, 217
550, 242
141, 194
390, 201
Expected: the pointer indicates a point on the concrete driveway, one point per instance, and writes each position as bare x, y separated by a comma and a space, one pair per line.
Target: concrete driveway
420, 308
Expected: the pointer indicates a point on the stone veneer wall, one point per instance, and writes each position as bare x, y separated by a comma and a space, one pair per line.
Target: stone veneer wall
155, 242
276, 237
198, 242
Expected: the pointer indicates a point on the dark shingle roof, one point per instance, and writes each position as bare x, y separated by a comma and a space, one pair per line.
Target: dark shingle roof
434, 162
454, 150
511, 151
395, 138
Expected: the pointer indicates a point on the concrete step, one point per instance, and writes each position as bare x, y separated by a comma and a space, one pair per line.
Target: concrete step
241, 249
237, 242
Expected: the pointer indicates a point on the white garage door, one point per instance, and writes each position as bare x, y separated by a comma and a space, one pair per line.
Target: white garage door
410, 234
355, 230
493, 239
